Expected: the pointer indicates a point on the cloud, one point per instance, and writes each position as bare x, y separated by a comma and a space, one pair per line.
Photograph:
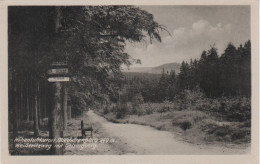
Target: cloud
186, 43
199, 27
199, 32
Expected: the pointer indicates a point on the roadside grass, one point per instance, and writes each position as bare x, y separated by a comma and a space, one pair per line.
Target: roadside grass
190, 125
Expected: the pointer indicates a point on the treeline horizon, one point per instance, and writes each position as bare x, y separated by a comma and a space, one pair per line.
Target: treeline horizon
228, 75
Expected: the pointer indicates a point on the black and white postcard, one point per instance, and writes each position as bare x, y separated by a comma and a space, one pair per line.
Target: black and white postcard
137, 82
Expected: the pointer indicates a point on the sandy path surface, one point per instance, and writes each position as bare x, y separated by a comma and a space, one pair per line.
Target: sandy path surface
147, 140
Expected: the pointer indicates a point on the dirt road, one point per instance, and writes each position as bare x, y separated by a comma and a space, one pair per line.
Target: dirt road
147, 140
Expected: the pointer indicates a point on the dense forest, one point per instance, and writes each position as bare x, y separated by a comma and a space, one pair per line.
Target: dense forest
89, 39
228, 75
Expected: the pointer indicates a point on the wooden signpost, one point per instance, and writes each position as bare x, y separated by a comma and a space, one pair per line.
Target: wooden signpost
57, 74
59, 64
58, 71
58, 79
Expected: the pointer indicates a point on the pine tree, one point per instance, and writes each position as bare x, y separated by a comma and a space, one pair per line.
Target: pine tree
162, 87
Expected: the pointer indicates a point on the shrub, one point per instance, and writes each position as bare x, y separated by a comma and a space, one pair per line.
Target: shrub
136, 102
237, 108
148, 108
230, 109
137, 99
186, 119
188, 99
185, 125
113, 108
140, 111
228, 131
121, 110
134, 109
106, 110
227, 108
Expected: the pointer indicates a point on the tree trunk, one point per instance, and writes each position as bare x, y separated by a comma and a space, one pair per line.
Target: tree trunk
15, 105
31, 99
27, 99
69, 111
39, 104
36, 123
56, 128
56, 119
18, 99
65, 98
21, 101
44, 101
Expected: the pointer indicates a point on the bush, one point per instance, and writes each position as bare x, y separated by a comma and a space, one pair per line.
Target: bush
78, 103
106, 110
185, 125
140, 111
230, 131
230, 109
137, 99
133, 109
148, 108
188, 99
227, 108
236, 108
121, 110
137, 109
186, 119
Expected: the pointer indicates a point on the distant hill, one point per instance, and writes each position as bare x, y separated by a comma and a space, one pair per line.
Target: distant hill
156, 70
142, 76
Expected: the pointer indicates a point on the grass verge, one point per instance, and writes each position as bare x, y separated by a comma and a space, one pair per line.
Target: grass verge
195, 127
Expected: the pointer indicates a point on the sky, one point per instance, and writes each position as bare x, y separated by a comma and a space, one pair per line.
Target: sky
193, 29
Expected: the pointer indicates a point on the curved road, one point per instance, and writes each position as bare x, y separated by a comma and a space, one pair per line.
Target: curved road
148, 140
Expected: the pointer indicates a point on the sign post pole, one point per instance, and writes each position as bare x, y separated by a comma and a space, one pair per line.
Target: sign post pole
58, 122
